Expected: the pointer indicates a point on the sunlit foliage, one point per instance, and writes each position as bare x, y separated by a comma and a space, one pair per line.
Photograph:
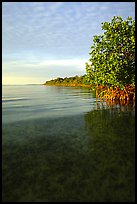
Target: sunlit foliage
112, 54
68, 81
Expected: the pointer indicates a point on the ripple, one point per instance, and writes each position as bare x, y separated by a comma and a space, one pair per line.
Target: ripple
10, 99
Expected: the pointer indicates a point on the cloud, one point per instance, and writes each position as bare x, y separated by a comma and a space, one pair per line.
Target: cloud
51, 26
53, 37
60, 62
44, 26
53, 64
41, 71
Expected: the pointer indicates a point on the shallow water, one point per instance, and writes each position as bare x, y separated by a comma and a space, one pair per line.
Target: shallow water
37, 101
57, 145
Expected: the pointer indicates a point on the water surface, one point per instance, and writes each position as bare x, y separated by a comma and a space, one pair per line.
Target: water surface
37, 101
58, 145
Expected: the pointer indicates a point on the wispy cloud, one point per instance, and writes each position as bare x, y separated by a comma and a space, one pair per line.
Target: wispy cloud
44, 70
62, 62
49, 32
51, 25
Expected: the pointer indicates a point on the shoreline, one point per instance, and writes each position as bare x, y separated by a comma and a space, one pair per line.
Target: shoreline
71, 85
127, 95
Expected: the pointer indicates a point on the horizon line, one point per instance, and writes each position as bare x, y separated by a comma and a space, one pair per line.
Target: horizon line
21, 84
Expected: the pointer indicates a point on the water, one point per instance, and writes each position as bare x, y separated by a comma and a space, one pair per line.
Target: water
59, 146
36, 101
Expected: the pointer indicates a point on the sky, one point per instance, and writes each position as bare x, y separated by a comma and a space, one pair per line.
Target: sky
46, 40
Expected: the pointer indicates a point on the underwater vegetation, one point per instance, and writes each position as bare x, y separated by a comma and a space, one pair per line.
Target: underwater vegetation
87, 158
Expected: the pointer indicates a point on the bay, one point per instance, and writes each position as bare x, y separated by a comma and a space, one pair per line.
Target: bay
37, 101
59, 145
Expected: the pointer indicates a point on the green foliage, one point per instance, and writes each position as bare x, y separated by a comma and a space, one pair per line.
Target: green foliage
74, 81
112, 55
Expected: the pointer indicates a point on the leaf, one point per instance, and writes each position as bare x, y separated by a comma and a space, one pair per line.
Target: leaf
108, 50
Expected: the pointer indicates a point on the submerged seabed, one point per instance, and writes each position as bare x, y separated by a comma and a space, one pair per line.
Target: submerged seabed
84, 157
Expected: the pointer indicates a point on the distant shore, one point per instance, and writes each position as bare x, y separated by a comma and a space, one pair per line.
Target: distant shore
71, 85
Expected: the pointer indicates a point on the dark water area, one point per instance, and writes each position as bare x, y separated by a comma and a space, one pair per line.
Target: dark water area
59, 146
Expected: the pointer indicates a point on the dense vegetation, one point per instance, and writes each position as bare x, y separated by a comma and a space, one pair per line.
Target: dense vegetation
111, 70
112, 59
69, 81
113, 54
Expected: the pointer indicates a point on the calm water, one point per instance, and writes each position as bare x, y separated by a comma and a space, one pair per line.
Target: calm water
59, 145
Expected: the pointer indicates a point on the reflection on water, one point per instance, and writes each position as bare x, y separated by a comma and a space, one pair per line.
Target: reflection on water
28, 102
87, 157
112, 152
122, 106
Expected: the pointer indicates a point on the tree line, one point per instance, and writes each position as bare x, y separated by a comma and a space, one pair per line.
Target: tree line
111, 66
69, 81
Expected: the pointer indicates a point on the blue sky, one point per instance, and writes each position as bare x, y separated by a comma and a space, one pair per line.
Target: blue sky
45, 40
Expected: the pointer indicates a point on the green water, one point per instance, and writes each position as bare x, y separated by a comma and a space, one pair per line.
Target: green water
82, 157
